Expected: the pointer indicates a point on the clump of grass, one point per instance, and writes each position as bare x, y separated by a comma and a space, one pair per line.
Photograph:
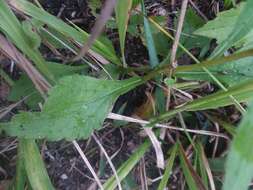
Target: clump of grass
178, 120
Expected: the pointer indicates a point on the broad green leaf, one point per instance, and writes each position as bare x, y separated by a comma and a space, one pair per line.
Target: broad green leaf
35, 168
76, 106
222, 25
70, 32
218, 30
122, 10
128, 165
228, 73
10, 26
24, 86
153, 59
242, 28
188, 39
239, 166
168, 168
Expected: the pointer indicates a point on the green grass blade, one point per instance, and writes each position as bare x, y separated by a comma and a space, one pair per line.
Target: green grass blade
239, 166
10, 26
122, 11
127, 166
149, 40
34, 166
243, 92
215, 62
200, 164
192, 179
20, 177
167, 171
241, 28
70, 32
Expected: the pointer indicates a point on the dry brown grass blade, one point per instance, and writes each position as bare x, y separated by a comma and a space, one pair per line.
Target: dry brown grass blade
98, 27
24, 64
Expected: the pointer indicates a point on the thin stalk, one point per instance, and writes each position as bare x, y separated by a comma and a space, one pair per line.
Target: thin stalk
6, 77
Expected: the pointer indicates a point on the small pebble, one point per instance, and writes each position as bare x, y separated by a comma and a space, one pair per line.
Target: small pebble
64, 176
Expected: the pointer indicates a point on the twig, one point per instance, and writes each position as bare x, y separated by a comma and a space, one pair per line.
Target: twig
140, 121
179, 30
86, 161
109, 161
98, 27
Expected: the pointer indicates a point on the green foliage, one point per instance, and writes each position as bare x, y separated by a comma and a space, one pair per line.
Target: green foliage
153, 59
222, 25
228, 73
32, 36
122, 11
76, 106
34, 166
10, 25
168, 168
238, 27
70, 32
188, 38
239, 167
128, 165
192, 179
94, 6
24, 86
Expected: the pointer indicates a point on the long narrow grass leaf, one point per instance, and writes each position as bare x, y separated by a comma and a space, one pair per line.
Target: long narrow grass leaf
242, 27
34, 166
194, 182
149, 40
127, 166
167, 172
122, 11
239, 167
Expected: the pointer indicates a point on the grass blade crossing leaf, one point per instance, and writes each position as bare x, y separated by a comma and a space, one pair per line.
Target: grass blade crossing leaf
242, 27
239, 167
122, 10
